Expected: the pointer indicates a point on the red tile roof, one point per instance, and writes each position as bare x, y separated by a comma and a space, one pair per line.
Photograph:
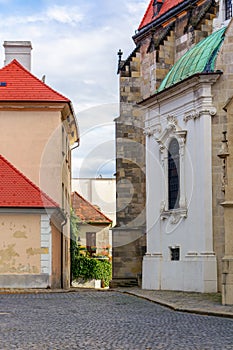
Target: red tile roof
149, 14
16, 190
86, 211
18, 84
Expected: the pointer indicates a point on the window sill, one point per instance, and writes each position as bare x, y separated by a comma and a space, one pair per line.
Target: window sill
174, 215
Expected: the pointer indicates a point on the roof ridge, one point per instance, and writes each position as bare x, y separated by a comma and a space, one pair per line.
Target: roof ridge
84, 199
17, 63
43, 194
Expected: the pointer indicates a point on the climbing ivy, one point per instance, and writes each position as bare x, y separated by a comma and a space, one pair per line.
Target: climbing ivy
92, 268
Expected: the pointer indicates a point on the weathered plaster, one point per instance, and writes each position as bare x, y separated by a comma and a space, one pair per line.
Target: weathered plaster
20, 236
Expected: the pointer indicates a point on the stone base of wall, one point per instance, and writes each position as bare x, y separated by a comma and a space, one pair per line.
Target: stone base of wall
25, 281
129, 247
124, 282
227, 281
82, 283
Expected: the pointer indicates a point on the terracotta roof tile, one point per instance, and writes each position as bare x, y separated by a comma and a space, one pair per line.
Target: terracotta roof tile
16, 190
149, 14
18, 84
86, 211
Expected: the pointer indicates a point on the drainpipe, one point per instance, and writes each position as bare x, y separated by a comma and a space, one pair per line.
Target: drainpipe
62, 225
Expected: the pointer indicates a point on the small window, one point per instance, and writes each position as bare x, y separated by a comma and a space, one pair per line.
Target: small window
228, 9
173, 175
91, 242
175, 253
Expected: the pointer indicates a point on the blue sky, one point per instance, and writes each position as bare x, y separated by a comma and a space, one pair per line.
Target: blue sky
75, 44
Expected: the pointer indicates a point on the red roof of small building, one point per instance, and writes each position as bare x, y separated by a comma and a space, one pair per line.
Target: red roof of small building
86, 211
16, 190
149, 14
18, 84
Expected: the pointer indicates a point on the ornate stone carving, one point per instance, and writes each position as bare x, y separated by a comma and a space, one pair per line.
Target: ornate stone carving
172, 120
171, 131
174, 215
195, 113
152, 130
191, 115
209, 110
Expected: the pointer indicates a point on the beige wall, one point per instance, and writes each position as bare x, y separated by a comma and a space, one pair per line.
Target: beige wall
32, 139
102, 235
32, 142
20, 247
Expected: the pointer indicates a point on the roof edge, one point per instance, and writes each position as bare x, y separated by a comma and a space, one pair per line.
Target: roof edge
54, 204
100, 212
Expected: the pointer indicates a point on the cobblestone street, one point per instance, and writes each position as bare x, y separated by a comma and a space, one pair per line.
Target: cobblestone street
105, 321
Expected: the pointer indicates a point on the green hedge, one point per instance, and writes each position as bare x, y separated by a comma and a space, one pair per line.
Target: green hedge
91, 268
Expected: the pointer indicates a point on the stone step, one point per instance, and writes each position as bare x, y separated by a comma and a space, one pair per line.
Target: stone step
129, 282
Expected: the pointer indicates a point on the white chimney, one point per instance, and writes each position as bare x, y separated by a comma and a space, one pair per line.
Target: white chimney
19, 50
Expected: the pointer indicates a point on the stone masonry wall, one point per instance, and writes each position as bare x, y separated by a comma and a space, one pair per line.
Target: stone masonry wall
129, 233
222, 91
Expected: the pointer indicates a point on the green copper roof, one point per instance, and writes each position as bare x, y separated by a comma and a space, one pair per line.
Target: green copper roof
199, 59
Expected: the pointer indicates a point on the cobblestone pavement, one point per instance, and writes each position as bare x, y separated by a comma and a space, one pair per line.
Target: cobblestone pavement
98, 320
201, 303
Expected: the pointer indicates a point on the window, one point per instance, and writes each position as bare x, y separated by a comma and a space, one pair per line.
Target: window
228, 9
91, 242
172, 149
173, 175
175, 253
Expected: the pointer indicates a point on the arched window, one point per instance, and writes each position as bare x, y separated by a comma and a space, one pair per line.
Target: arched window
173, 174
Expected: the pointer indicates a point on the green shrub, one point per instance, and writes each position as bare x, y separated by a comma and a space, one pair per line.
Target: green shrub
91, 268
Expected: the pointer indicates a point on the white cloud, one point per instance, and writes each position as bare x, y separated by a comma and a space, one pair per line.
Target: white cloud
75, 45
64, 14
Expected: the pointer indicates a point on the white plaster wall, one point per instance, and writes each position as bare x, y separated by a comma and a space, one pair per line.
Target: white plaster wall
196, 269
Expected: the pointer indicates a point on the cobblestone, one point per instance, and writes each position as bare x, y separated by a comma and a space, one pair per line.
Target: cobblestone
98, 320
200, 303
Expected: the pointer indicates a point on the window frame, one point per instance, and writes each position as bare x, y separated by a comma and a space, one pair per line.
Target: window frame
173, 175
173, 131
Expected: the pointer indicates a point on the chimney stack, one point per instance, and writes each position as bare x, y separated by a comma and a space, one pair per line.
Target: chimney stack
19, 50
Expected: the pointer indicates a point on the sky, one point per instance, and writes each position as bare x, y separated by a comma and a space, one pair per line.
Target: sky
75, 45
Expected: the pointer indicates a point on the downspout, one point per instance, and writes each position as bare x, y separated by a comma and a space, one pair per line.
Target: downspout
62, 225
